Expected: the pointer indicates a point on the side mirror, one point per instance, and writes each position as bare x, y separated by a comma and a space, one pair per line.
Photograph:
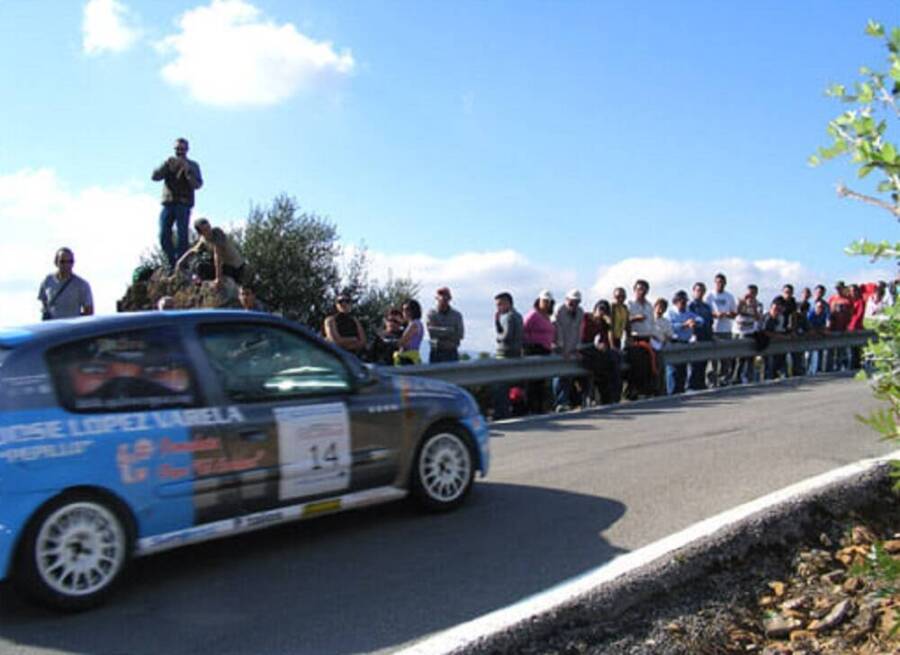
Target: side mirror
366, 375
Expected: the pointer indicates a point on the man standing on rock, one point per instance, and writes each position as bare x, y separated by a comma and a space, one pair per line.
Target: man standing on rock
180, 177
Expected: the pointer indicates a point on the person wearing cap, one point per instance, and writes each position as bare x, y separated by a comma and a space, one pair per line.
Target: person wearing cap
567, 321
538, 333
343, 329
445, 329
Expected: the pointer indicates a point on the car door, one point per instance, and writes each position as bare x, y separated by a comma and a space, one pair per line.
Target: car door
305, 432
133, 395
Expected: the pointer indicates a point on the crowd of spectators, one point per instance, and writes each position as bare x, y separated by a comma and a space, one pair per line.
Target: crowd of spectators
617, 342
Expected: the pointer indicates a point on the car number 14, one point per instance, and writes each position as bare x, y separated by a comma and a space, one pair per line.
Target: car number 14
313, 449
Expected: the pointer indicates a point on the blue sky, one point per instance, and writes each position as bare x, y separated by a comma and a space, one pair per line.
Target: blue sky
484, 145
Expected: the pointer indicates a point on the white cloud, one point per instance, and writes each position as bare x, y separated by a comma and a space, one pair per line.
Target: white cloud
227, 54
666, 276
107, 27
107, 227
474, 279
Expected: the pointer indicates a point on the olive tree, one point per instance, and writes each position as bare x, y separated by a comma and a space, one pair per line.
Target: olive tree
298, 267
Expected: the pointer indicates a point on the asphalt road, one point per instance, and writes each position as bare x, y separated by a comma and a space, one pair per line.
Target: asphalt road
566, 493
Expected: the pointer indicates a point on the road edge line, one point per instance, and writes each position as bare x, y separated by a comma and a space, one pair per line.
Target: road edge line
465, 635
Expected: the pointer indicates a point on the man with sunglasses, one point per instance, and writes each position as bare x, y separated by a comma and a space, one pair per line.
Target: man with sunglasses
343, 329
63, 294
180, 177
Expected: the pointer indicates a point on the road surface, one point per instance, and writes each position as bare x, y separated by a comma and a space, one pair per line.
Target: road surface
566, 493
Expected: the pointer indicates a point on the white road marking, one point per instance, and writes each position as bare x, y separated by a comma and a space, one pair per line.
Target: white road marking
465, 634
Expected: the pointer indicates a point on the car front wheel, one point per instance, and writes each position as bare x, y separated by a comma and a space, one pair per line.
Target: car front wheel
444, 469
73, 552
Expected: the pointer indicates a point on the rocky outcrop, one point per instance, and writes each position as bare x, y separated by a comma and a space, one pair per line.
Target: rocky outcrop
187, 291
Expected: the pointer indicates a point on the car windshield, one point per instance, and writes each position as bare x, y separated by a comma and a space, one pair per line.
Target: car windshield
4, 353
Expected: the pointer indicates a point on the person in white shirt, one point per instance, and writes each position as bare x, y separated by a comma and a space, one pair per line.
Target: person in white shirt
749, 319
640, 312
724, 310
641, 358
877, 302
662, 327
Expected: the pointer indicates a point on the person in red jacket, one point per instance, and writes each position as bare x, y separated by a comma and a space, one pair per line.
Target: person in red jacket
840, 311
857, 314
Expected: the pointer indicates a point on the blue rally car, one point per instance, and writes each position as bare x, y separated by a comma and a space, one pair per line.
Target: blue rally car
126, 435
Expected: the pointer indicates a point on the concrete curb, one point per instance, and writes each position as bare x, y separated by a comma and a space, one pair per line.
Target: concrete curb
631, 578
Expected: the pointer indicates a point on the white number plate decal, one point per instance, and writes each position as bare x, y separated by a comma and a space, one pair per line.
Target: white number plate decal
314, 449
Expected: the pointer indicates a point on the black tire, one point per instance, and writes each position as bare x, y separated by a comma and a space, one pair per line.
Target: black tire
443, 470
73, 552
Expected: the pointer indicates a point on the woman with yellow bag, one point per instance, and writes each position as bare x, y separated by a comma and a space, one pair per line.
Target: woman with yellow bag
408, 352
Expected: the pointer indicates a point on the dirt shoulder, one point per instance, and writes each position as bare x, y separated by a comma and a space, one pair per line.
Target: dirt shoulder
785, 583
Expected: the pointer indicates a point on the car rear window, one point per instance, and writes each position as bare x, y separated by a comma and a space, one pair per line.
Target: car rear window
134, 370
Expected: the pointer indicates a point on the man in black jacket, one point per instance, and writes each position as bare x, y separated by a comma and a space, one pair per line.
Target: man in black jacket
181, 177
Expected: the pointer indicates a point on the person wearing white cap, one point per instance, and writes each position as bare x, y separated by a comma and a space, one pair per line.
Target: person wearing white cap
538, 335
567, 320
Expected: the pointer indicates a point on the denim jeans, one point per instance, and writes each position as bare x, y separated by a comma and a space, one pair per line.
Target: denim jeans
816, 362
676, 375
179, 216
564, 392
697, 375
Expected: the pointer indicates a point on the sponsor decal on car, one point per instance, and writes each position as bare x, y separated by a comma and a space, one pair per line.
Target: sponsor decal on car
314, 449
116, 423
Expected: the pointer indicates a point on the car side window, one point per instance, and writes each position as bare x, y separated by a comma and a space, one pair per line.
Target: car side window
133, 370
267, 363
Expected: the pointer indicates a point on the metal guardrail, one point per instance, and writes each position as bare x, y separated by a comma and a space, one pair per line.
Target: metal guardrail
520, 369
682, 353
489, 371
